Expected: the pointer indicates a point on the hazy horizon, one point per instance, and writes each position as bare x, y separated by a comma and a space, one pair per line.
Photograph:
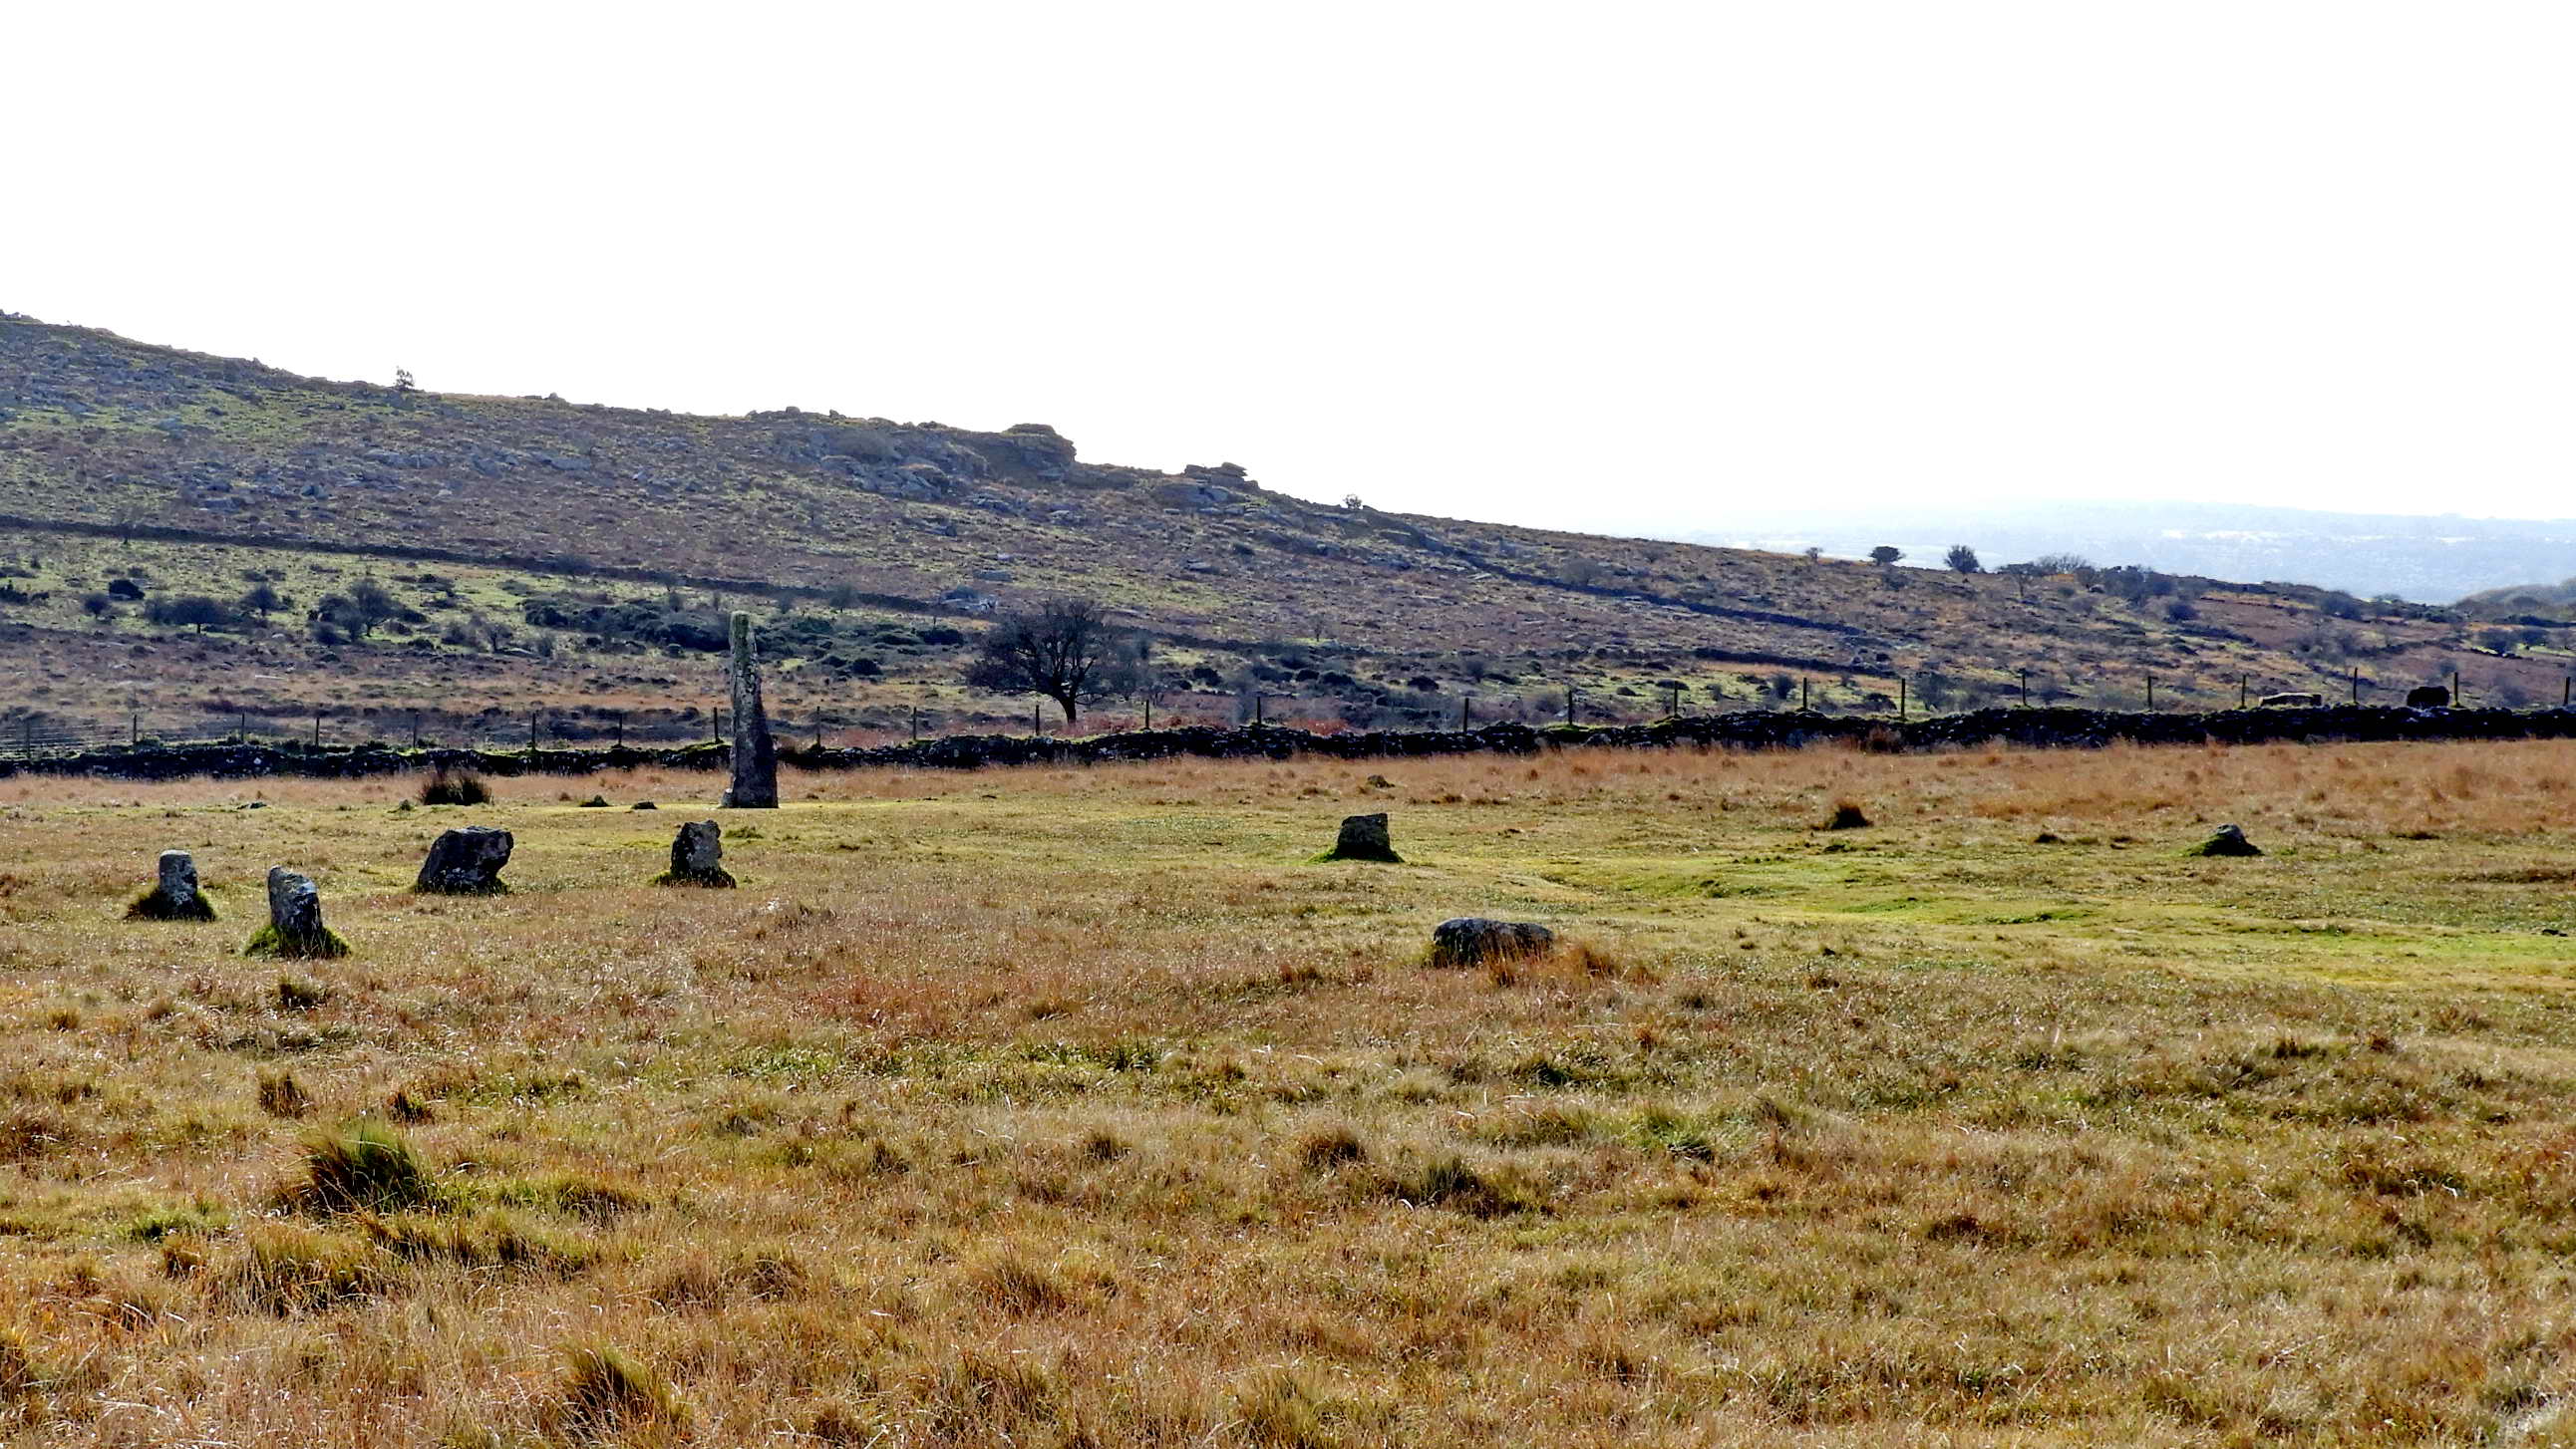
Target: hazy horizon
1632, 273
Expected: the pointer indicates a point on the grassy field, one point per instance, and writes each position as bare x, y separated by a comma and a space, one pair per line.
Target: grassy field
1080, 1108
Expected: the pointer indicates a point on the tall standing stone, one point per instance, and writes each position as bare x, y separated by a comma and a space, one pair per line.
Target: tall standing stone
755, 755
174, 896
466, 862
697, 857
295, 920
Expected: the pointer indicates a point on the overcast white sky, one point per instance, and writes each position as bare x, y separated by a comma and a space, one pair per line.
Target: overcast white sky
1615, 266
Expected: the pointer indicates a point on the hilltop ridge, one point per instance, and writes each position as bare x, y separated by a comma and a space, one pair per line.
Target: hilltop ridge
581, 552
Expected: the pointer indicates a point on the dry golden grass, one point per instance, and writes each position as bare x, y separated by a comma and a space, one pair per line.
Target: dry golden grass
1075, 1108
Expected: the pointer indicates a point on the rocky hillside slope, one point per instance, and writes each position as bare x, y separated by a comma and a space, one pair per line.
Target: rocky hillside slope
572, 560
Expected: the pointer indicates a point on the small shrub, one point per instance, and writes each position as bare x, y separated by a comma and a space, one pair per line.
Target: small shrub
454, 787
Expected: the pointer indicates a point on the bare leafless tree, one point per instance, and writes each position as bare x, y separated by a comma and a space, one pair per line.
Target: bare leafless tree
1065, 649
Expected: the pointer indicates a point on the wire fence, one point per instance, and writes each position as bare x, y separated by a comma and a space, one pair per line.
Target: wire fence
36, 734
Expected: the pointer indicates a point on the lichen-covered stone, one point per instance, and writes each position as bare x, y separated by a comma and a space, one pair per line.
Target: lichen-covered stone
755, 755
466, 862
295, 920
174, 895
697, 857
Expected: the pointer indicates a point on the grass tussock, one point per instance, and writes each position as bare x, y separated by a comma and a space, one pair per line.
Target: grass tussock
606, 1394
364, 1167
280, 1095
282, 1268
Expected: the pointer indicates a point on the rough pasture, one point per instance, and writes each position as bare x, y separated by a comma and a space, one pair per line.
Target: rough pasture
1085, 1107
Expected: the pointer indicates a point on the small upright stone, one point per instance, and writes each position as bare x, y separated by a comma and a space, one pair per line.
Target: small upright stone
1474, 940
466, 862
2227, 840
174, 897
295, 920
697, 857
1364, 837
755, 755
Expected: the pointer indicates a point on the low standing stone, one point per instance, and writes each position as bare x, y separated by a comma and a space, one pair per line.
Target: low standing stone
295, 920
697, 857
1474, 940
175, 896
1364, 837
2227, 840
466, 862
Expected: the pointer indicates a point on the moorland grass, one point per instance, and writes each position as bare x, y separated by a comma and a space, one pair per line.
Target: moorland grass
1057, 1107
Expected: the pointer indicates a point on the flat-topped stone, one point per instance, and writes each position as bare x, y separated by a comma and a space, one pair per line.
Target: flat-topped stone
174, 895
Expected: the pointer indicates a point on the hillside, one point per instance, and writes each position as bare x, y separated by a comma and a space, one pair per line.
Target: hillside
573, 560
